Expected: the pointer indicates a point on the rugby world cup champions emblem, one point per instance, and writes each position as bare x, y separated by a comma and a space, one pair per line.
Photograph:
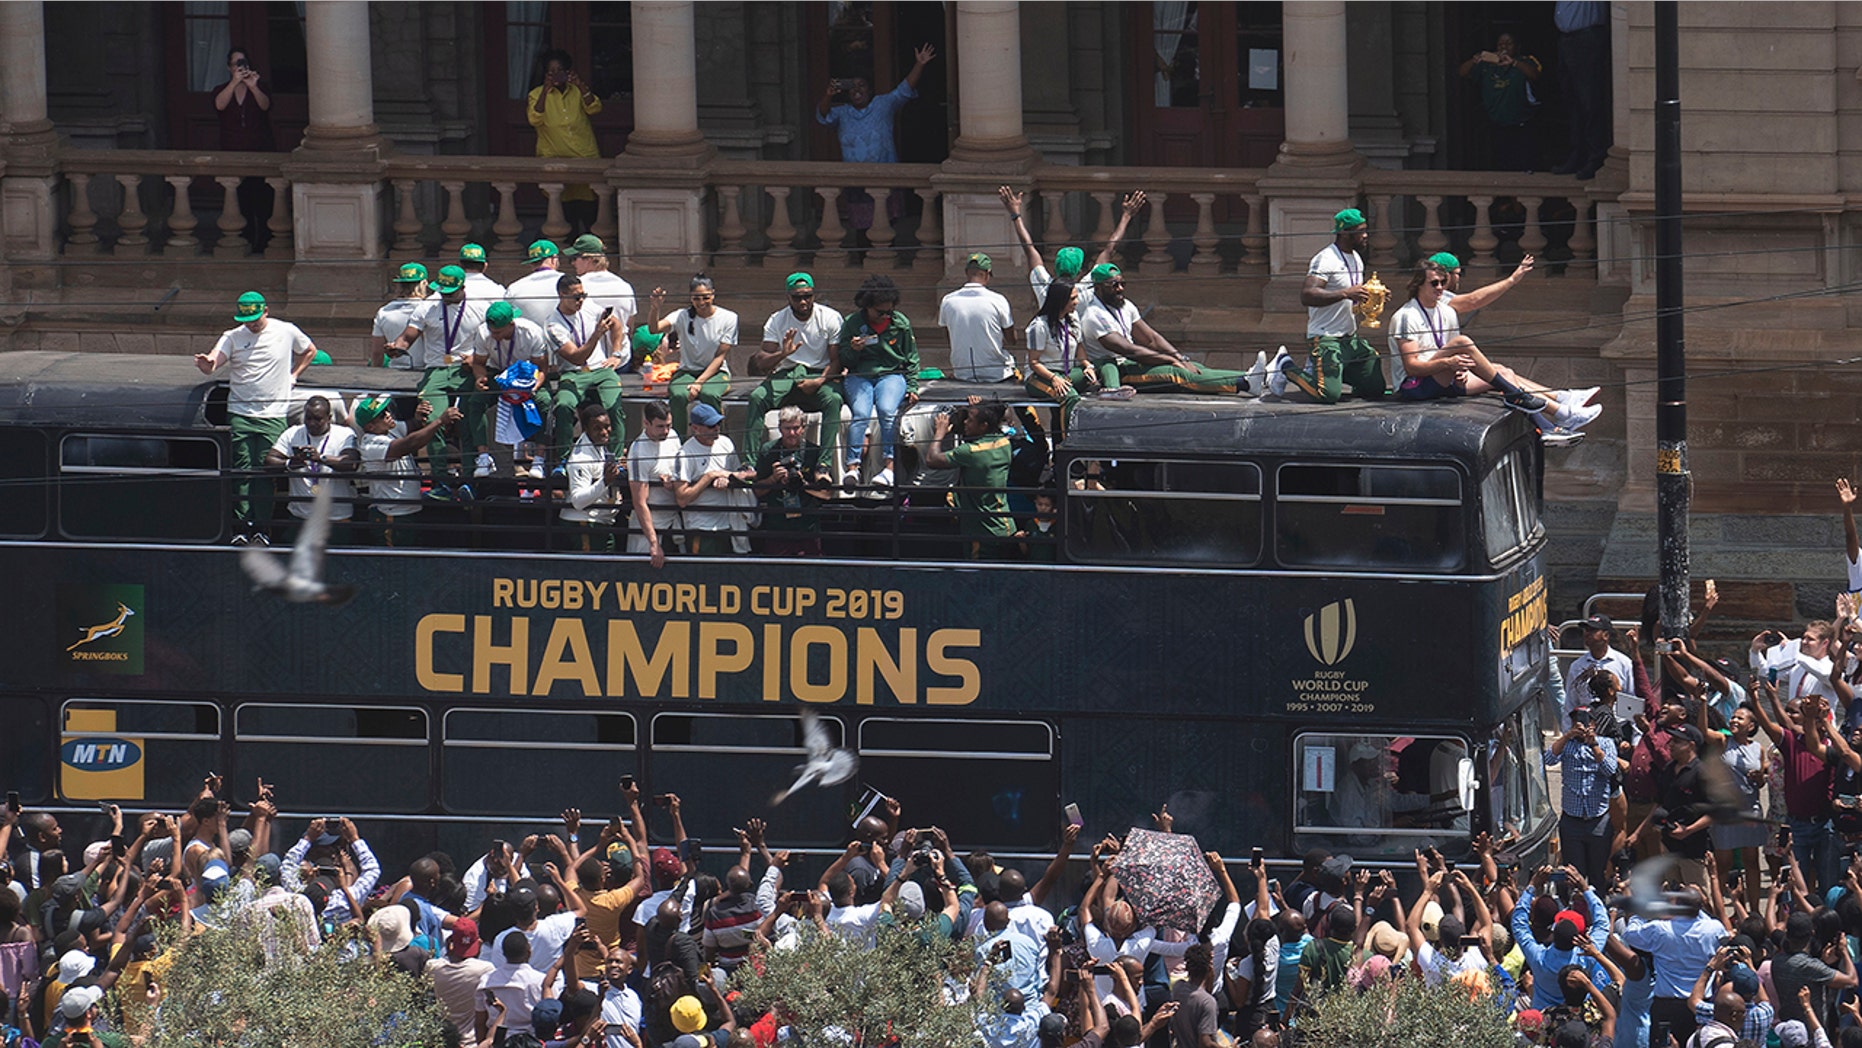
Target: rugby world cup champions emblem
1331, 631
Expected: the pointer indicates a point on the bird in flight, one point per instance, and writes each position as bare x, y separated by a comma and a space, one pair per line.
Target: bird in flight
301, 582
827, 764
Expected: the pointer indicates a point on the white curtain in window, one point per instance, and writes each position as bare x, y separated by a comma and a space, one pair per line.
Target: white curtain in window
1169, 21
526, 26
209, 35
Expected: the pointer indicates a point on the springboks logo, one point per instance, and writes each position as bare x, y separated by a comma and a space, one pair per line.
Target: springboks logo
1331, 631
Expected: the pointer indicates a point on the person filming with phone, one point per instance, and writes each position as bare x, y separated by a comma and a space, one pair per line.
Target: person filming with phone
244, 106
560, 108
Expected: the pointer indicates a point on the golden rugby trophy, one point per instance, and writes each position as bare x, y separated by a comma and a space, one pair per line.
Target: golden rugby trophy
1371, 310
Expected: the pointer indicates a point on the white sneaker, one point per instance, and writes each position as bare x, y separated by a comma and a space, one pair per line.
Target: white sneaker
534, 472
1257, 375
1560, 438
485, 465
1571, 415
1117, 393
882, 479
851, 478
1277, 373
1578, 396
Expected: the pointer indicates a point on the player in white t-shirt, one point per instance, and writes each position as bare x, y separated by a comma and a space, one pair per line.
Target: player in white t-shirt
980, 324
797, 351
317, 453
1430, 357
706, 334
652, 479
387, 450
447, 325
1113, 331
1846, 493
263, 358
585, 373
534, 293
479, 287
410, 285
1069, 262
714, 488
588, 259
1336, 355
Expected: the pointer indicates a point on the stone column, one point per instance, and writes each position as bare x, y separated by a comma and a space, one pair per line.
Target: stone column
1318, 109
665, 81
991, 147
659, 179
28, 148
1316, 173
337, 174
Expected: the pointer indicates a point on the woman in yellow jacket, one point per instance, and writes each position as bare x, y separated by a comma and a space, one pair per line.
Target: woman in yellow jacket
559, 109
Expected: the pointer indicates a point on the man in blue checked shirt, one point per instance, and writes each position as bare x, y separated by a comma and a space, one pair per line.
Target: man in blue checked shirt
1589, 779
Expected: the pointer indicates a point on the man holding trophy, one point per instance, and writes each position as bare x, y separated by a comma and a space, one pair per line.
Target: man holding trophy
1336, 295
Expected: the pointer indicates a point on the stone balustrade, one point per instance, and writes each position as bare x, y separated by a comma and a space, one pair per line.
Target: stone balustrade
141, 203
1197, 222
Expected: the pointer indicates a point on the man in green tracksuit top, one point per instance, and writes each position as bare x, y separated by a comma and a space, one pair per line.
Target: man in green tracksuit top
982, 464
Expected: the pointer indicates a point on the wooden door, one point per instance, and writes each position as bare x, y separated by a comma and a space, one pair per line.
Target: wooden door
1205, 81
272, 36
599, 38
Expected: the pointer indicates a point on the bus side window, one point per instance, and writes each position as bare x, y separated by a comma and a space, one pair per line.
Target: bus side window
1144, 511
1358, 517
530, 763
1377, 794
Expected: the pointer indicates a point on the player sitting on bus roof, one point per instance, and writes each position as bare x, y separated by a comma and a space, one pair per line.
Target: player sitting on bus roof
1431, 358
1112, 331
314, 451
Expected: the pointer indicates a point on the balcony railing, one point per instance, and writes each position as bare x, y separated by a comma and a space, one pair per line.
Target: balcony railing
1197, 221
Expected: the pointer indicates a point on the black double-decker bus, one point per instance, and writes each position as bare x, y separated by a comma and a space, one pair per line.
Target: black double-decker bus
1297, 625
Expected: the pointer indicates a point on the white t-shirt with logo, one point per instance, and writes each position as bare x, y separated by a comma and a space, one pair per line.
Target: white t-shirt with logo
817, 334
700, 337
714, 509
306, 479
258, 367
1341, 269
977, 318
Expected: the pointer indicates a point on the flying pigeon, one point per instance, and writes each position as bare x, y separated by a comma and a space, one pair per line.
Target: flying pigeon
302, 582
1647, 896
827, 764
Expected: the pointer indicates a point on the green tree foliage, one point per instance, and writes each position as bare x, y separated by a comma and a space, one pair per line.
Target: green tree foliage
1404, 1013
222, 990
830, 989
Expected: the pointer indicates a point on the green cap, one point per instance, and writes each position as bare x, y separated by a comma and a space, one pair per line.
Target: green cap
411, 273
540, 250
1445, 260
798, 279
472, 253
500, 314
1350, 218
251, 307
586, 244
1068, 262
1105, 271
978, 260
451, 279
644, 341
320, 357
370, 408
